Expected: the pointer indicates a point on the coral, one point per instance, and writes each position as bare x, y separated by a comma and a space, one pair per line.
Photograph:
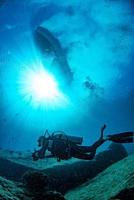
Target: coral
37, 183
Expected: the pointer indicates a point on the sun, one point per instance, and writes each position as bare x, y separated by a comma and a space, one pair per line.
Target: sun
40, 87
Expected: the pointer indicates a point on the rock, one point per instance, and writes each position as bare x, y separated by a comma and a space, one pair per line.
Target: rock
10, 191
69, 175
11, 170
16, 191
36, 182
116, 182
37, 185
53, 195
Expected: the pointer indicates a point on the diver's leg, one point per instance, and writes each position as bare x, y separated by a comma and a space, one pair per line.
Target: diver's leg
80, 151
98, 143
83, 149
88, 149
83, 156
92, 148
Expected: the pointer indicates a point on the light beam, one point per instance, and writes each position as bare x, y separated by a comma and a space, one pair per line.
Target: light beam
38, 86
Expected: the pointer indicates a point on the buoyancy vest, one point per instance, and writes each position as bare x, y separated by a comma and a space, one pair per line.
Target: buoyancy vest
59, 146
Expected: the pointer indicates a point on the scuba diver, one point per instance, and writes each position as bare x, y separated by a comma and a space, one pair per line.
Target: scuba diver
64, 147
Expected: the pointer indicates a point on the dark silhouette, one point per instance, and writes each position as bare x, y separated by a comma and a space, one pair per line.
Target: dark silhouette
49, 44
64, 147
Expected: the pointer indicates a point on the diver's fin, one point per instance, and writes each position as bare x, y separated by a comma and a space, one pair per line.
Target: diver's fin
126, 137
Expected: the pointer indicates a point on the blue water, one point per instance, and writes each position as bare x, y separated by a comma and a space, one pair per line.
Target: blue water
97, 38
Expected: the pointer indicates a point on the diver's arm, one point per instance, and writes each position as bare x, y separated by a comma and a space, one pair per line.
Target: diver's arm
50, 156
39, 154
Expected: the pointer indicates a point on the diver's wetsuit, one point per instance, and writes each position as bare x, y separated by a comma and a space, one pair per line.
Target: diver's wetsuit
81, 152
61, 151
65, 149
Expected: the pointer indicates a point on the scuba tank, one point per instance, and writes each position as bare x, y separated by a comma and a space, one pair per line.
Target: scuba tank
72, 139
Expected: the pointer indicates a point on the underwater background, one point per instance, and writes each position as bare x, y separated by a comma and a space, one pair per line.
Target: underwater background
96, 38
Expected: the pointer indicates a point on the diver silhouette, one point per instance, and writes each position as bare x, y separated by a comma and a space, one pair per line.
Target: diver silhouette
64, 147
